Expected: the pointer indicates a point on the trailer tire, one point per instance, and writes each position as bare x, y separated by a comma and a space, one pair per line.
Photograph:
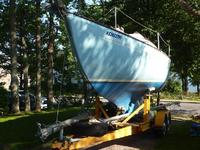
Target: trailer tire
169, 118
165, 126
90, 129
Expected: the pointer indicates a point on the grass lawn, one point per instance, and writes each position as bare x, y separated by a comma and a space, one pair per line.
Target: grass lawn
190, 96
178, 138
18, 132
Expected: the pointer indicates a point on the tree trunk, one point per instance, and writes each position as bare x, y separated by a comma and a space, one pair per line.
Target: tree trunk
21, 82
25, 64
50, 63
38, 51
198, 89
158, 98
185, 85
25, 72
14, 79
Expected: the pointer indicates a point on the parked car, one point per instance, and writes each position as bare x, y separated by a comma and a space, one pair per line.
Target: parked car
43, 103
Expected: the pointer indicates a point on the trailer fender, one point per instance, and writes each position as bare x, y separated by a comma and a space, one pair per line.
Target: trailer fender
162, 122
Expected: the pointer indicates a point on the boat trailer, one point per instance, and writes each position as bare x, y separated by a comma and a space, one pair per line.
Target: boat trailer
157, 118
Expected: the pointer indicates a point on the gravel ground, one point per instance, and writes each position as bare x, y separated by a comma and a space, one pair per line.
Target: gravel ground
185, 109
146, 141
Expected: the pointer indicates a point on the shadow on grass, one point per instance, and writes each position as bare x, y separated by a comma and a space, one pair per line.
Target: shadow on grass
178, 138
143, 141
19, 133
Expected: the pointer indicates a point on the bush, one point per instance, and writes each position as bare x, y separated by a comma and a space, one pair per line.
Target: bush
173, 86
3, 98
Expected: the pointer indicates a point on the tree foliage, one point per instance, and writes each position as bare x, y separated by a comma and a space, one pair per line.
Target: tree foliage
177, 21
192, 8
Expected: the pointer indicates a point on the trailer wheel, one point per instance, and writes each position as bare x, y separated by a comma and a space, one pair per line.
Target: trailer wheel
165, 126
89, 129
169, 119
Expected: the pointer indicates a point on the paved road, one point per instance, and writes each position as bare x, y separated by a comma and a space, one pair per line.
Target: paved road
185, 109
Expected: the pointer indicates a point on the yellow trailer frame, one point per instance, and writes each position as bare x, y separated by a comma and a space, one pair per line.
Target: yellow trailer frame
124, 128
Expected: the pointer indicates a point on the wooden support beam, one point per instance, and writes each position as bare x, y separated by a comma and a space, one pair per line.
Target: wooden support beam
145, 126
99, 108
103, 111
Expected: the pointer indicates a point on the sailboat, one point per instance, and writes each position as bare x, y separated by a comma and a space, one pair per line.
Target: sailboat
120, 67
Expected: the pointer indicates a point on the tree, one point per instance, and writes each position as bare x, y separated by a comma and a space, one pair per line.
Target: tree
24, 49
167, 17
195, 70
14, 78
38, 51
188, 8
173, 84
180, 28
50, 61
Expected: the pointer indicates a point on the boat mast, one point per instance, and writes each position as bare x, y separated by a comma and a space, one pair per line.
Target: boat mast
169, 49
158, 38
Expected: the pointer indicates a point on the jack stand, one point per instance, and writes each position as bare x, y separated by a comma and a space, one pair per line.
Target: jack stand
147, 104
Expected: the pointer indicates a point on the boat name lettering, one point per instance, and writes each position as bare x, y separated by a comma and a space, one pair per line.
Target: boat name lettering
117, 36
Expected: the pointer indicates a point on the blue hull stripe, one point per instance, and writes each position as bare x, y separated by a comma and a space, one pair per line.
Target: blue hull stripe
125, 95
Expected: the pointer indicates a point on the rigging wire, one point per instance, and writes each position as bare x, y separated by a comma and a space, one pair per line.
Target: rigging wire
140, 24
62, 80
164, 40
136, 21
61, 87
158, 34
63, 17
106, 14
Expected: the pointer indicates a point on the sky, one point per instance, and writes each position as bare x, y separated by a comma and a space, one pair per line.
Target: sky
192, 88
89, 2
